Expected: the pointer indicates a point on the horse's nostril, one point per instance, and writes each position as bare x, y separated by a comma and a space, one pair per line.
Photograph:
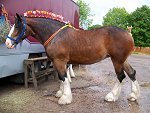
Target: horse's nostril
7, 44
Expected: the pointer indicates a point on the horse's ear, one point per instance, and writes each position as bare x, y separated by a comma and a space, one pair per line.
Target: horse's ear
18, 17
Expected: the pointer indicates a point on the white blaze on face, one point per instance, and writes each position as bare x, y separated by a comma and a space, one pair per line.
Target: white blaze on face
8, 42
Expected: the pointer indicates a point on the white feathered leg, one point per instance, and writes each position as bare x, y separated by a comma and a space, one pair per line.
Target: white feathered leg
135, 91
66, 98
71, 71
60, 91
68, 75
114, 94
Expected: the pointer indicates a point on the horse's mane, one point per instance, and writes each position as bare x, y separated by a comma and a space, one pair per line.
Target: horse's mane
45, 14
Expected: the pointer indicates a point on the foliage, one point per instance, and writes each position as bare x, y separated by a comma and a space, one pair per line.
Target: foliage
140, 20
116, 17
4, 29
94, 26
85, 22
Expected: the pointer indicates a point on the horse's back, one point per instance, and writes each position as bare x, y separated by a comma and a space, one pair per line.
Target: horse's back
107, 37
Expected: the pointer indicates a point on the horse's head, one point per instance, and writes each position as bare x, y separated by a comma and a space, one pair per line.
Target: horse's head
17, 32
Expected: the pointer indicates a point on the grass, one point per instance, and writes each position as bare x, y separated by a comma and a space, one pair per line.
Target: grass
140, 53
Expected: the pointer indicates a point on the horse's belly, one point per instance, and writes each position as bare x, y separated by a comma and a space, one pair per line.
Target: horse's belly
89, 59
88, 51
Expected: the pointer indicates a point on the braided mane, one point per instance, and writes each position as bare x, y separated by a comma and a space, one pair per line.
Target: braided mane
44, 14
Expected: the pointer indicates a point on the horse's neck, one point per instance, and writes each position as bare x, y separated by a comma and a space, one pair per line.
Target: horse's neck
42, 29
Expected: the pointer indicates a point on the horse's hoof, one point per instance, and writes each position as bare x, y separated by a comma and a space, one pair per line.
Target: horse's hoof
59, 94
65, 100
132, 97
110, 97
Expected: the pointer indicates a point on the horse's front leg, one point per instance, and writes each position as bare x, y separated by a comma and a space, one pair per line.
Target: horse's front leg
61, 90
65, 90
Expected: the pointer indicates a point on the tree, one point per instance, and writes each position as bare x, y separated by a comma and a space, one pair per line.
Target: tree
140, 20
85, 20
116, 17
94, 26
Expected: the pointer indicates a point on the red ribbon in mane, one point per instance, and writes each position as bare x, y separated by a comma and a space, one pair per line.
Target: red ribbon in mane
45, 14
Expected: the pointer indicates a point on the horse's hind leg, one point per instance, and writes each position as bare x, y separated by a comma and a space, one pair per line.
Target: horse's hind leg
65, 90
71, 71
135, 88
114, 94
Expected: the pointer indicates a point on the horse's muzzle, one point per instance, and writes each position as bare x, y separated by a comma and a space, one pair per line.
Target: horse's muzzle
10, 44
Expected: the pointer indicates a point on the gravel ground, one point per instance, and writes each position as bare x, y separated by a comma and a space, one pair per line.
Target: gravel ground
89, 88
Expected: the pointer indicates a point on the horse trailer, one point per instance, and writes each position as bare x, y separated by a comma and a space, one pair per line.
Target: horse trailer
11, 60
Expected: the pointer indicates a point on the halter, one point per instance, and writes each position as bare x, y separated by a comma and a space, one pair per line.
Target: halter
21, 34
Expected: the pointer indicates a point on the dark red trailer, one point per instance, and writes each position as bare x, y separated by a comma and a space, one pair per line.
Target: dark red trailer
67, 8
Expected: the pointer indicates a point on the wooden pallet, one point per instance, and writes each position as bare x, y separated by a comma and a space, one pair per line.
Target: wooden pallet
31, 75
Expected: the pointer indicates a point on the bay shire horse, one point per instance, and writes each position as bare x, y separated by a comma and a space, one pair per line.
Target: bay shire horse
68, 45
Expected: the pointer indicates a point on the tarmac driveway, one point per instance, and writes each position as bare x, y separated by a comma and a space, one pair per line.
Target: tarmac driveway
89, 88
